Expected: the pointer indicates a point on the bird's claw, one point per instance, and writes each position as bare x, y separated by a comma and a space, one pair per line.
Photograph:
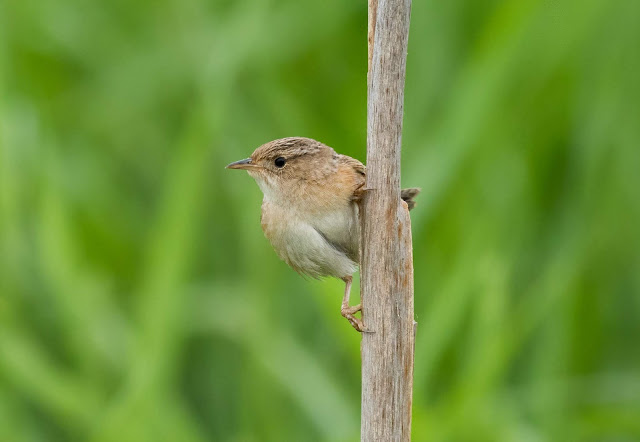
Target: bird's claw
348, 310
348, 313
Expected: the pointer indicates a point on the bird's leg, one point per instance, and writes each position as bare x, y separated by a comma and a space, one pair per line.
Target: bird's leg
348, 311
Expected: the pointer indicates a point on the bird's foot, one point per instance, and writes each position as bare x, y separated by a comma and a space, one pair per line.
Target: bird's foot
348, 312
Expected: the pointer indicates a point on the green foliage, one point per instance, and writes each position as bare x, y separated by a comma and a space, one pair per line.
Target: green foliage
139, 300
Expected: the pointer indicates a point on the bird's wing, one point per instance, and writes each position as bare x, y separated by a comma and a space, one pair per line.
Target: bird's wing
359, 175
342, 230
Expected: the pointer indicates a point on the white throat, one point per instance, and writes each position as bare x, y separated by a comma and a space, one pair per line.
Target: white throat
268, 187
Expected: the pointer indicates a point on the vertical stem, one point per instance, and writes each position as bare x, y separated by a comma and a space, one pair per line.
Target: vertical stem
387, 261
371, 32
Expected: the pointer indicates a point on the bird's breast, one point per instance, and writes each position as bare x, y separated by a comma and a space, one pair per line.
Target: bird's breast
312, 241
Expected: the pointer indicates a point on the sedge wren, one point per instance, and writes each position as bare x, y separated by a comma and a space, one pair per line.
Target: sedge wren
310, 208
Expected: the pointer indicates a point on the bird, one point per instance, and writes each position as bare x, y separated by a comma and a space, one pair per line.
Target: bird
310, 211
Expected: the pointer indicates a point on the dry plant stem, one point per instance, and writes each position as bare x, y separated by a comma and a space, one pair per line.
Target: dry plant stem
371, 30
386, 256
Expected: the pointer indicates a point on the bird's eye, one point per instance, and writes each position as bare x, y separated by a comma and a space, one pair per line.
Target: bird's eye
280, 162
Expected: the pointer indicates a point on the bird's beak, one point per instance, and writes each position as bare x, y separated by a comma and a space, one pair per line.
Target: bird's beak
242, 164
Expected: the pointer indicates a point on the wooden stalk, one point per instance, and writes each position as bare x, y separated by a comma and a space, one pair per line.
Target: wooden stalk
387, 260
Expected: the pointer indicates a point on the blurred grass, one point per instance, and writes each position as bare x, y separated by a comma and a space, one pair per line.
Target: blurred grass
140, 301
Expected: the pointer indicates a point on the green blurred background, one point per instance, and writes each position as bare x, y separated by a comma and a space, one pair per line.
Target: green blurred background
139, 300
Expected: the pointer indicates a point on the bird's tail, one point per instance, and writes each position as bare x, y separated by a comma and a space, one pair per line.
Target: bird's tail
408, 195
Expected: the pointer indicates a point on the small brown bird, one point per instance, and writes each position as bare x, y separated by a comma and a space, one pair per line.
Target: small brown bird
310, 208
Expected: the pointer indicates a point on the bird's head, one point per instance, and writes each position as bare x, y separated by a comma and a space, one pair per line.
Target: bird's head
281, 165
